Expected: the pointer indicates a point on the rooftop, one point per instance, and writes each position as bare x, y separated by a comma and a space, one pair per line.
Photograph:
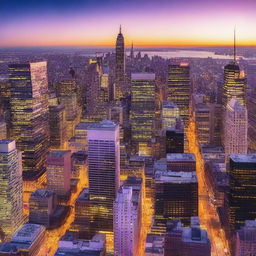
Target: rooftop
28, 233
175, 177
180, 157
42, 193
103, 125
169, 104
243, 158
143, 76
58, 153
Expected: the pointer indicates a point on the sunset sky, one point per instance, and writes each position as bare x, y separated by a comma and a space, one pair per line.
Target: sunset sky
145, 22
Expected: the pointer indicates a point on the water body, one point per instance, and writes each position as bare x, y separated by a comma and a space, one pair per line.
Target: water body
186, 54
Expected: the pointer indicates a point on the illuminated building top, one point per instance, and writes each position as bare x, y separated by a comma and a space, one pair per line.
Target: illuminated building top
244, 158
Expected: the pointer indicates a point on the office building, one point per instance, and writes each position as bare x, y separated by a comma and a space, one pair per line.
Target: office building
81, 223
11, 208
104, 172
42, 204
29, 115
120, 66
127, 217
179, 88
27, 241
236, 126
242, 201
154, 245
191, 241
181, 162
143, 112
169, 115
3, 131
174, 138
245, 239
57, 124
176, 196
251, 104
59, 172
69, 245
234, 84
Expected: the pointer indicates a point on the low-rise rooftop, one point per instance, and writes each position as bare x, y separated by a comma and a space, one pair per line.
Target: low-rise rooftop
243, 158
180, 157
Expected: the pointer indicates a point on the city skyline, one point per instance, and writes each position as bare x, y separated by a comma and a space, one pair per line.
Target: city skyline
146, 23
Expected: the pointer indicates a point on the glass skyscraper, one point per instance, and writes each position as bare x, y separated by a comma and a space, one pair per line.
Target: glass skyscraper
242, 195
11, 209
29, 115
104, 172
179, 88
143, 111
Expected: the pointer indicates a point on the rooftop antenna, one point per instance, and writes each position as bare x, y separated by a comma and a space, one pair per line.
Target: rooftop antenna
235, 44
120, 30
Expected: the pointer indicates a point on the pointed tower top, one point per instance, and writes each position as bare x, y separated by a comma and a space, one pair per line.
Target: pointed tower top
235, 44
120, 29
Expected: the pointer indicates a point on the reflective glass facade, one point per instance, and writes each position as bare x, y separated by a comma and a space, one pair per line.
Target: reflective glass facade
29, 115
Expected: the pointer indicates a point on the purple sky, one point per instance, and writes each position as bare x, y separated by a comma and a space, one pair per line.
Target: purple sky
146, 22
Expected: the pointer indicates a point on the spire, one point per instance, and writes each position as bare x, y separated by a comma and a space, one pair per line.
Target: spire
235, 44
120, 29
132, 54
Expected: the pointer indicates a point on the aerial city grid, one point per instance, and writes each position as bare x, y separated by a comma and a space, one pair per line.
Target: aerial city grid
127, 128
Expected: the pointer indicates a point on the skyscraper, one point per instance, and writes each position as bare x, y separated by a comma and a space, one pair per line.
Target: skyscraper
236, 126
120, 65
179, 88
127, 214
143, 111
176, 196
234, 84
11, 209
59, 172
242, 200
104, 172
29, 115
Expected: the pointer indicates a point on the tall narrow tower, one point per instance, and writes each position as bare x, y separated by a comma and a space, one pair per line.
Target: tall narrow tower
234, 82
120, 64
11, 210
29, 115
236, 125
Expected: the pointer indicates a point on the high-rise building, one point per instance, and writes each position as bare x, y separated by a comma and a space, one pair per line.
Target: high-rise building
57, 124
174, 139
179, 88
143, 111
176, 196
192, 241
251, 105
42, 204
127, 215
11, 208
104, 172
234, 84
181, 162
120, 65
170, 113
59, 172
245, 239
3, 131
29, 115
236, 125
242, 200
